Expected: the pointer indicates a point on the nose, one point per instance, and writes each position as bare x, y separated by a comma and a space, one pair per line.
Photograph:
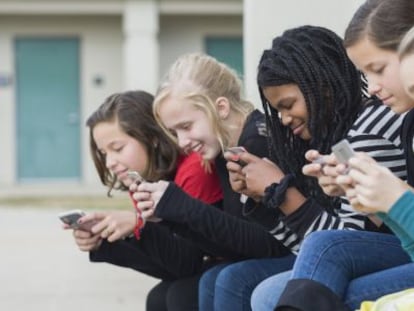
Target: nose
110, 161
183, 140
286, 118
373, 86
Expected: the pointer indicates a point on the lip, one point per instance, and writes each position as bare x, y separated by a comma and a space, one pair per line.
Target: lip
121, 174
197, 148
386, 101
298, 130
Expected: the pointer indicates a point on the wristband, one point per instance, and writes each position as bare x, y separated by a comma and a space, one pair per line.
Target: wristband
275, 194
139, 225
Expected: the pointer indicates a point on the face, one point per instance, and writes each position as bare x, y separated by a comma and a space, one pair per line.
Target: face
381, 67
407, 75
122, 152
288, 100
191, 126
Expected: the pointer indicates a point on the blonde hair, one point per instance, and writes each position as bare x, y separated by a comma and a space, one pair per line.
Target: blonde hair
201, 79
406, 46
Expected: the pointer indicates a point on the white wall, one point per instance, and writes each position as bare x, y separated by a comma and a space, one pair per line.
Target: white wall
185, 34
266, 19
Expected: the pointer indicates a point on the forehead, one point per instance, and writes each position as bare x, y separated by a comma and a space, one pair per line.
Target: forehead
107, 132
177, 110
276, 93
364, 53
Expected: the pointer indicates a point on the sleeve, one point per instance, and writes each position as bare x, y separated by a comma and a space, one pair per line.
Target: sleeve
195, 180
400, 219
242, 238
311, 216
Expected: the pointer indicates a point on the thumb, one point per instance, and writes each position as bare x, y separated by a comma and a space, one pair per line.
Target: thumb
248, 157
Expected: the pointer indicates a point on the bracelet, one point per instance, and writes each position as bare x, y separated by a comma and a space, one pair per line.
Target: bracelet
139, 225
275, 194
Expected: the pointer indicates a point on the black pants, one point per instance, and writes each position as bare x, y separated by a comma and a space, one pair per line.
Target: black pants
179, 295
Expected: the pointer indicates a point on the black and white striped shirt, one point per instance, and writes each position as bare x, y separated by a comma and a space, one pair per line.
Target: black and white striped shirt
376, 132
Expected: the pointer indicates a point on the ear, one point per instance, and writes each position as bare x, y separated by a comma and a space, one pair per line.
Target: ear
223, 107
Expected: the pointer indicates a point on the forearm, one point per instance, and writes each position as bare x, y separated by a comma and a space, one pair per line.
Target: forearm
237, 235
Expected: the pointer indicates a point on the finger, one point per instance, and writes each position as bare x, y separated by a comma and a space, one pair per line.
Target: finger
330, 170
133, 187
148, 213
233, 166
248, 157
141, 196
312, 155
313, 169
148, 187
98, 216
81, 234
145, 205
100, 226
344, 180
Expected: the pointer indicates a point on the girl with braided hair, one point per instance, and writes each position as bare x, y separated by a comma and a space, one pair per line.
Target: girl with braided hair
337, 270
311, 94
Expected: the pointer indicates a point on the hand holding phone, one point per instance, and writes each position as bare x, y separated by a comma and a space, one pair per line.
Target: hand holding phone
71, 219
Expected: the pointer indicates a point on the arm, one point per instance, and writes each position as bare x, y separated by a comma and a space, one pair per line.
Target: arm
237, 236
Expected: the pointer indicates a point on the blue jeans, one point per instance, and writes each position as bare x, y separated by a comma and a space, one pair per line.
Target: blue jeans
229, 286
266, 295
356, 265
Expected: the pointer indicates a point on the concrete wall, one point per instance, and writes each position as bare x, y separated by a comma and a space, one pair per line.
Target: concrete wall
266, 19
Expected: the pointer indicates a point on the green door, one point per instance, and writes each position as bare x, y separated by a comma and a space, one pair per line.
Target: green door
47, 86
227, 50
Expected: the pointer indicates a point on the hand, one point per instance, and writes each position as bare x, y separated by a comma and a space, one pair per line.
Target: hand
148, 195
87, 241
113, 225
325, 171
259, 174
375, 188
236, 176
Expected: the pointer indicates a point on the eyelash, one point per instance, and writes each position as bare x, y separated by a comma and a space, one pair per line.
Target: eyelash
378, 71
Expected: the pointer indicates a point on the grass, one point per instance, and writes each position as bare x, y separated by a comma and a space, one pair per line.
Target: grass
69, 202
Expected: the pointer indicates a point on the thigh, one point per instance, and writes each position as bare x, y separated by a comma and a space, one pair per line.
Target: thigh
206, 286
183, 294
375, 285
336, 257
266, 295
236, 282
157, 297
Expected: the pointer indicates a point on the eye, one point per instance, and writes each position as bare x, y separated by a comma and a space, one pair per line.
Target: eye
118, 149
173, 133
186, 126
379, 70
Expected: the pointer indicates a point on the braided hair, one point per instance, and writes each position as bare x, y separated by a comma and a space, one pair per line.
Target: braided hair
314, 59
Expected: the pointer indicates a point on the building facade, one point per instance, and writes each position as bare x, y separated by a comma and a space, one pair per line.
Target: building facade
59, 59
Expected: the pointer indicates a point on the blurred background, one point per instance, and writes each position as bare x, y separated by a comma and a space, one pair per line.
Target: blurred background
59, 59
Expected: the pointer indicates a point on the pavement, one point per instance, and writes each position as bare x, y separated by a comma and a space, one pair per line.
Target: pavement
41, 269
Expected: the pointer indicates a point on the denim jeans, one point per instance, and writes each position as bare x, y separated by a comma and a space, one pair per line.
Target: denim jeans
266, 295
356, 265
229, 286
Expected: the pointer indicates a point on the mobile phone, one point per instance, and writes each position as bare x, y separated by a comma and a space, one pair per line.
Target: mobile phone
71, 218
343, 151
236, 151
135, 176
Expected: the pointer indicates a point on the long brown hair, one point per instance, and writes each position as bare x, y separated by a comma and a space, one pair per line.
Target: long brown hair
383, 22
133, 112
